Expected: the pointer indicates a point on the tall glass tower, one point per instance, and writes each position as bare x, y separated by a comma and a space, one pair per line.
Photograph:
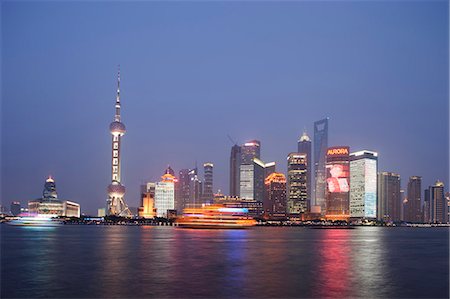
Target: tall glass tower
115, 204
320, 150
304, 147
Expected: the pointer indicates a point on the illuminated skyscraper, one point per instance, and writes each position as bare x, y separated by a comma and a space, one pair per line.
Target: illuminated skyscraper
250, 150
436, 210
208, 195
195, 187
413, 205
363, 184
275, 199
320, 151
337, 195
165, 195
235, 163
389, 197
252, 180
304, 147
116, 204
297, 180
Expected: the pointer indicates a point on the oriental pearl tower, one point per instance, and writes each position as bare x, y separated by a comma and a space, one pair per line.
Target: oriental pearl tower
115, 203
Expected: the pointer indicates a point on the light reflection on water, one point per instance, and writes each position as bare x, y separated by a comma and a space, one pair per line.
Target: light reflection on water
271, 262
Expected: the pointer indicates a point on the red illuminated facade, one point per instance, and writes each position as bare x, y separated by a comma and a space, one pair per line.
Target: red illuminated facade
338, 183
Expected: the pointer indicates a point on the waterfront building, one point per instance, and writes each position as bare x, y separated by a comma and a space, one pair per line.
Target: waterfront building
249, 151
147, 208
363, 184
115, 204
195, 188
297, 184
15, 208
252, 180
337, 195
182, 190
275, 199
389, 204
320, 151
235, 163
165, 195
413, 204
208, 195
435, 205
254, 207
51, 204
101, 212
304, 147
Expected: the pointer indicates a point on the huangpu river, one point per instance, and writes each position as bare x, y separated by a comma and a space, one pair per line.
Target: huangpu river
81, 261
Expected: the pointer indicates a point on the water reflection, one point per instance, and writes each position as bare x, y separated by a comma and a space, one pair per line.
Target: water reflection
334, 264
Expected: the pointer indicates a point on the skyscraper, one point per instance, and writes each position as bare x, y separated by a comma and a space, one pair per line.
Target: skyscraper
165, 195
304, 147
337, 195
208, 195
413, 205
275, 199
389, 197
116, 204
195, 187
437, 206
297, 183
182, 191
252, 180
363, 184
235, 163
250, 150
320, 150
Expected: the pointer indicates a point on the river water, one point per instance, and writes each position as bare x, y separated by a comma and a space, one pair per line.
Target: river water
76, 261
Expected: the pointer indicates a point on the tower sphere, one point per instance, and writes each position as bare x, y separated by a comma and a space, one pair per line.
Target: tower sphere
116, 190
117, 128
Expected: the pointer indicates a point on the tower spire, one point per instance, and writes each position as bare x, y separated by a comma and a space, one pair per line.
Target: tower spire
117, 116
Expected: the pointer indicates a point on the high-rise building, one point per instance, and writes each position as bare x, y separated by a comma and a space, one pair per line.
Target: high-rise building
436, 205
182, 191
165, 195
269, 168
320, 151
235, 163
208, 195
15, 208
275, 199
413, 205
115, 203
195, 188
363, 184
304, 147
297, 183
249, 151
252, 180
389, 204
337, 195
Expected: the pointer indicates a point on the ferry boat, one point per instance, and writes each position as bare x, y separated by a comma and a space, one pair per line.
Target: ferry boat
39, 220
215, 216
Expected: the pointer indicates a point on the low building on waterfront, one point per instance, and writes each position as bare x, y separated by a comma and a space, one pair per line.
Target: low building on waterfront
50, 204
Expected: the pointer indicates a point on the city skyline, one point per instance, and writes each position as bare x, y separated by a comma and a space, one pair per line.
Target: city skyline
72, 103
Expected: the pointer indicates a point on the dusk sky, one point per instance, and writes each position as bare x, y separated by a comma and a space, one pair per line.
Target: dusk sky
193, 72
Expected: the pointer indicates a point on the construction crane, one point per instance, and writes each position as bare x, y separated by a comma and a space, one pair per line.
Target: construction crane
231, 139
